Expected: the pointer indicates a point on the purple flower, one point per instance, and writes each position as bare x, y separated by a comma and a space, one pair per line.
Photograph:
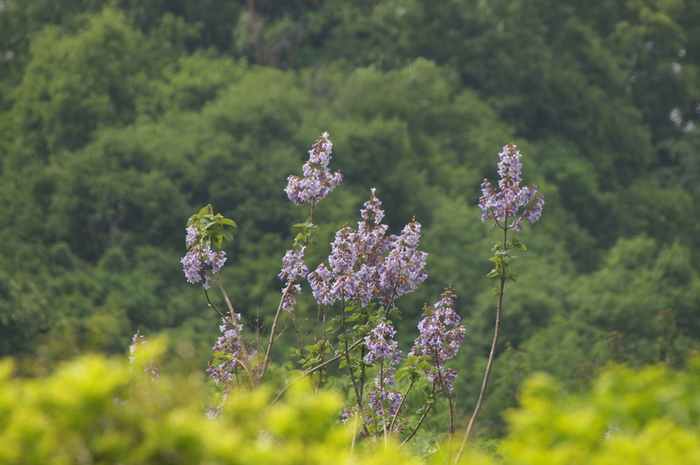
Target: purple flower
229, 357
437, 342
192, 234
367, 265
372, 212
503, 205
320, 282
405, 265
382, 399
293, 265
200, 263
192, 265
289, 299
318, 181
347, 414
381, 346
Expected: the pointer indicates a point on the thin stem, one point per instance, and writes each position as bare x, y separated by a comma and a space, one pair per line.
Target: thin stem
313, 370
420, 422
233, 320
398, 410
295, 325
211, 304
381, 390
353, 378
492, 354
441, 382
320, 375
451, 425
273, 330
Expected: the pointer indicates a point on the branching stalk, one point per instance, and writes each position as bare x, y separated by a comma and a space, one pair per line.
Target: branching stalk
273, 331
398, 410
233, 320
418, 425
211, 304
492, 354
314, 369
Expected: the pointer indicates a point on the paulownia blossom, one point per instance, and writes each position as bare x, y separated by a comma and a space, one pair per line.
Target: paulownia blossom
231, 358
200, 262
502, 205
293, 267
367, 265
438, 342
384, 399
316, 184
318, 181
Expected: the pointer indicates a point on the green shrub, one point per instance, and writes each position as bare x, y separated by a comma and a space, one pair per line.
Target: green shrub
100, 411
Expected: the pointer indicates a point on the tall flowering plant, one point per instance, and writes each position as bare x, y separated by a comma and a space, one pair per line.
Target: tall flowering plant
506, 208
356, 290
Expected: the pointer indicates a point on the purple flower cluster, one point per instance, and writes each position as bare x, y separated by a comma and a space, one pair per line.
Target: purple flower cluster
229, 356
439, 343
366, 264
318, 181
504, 204
139, 341
289, 299
192, 234
293, 267
293, 264
200, 262
384, 400
380, 345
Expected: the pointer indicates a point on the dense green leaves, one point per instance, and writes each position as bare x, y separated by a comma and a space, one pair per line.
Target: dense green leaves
106, 411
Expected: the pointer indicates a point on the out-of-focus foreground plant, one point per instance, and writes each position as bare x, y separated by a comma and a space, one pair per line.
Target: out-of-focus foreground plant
99, 411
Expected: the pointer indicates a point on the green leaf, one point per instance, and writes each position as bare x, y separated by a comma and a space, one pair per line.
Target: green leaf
516, 244
206, 224
334, 324
204, 210
227, 235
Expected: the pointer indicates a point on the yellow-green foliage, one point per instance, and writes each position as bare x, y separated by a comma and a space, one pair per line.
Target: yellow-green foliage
650, 416
99, 411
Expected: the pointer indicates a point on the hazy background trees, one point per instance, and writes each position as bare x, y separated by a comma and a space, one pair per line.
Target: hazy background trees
119, 119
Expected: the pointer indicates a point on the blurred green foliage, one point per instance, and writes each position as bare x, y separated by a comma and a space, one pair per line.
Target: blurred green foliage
102, 411
647, 416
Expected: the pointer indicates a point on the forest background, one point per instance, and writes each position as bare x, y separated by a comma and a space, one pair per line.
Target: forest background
119, 119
